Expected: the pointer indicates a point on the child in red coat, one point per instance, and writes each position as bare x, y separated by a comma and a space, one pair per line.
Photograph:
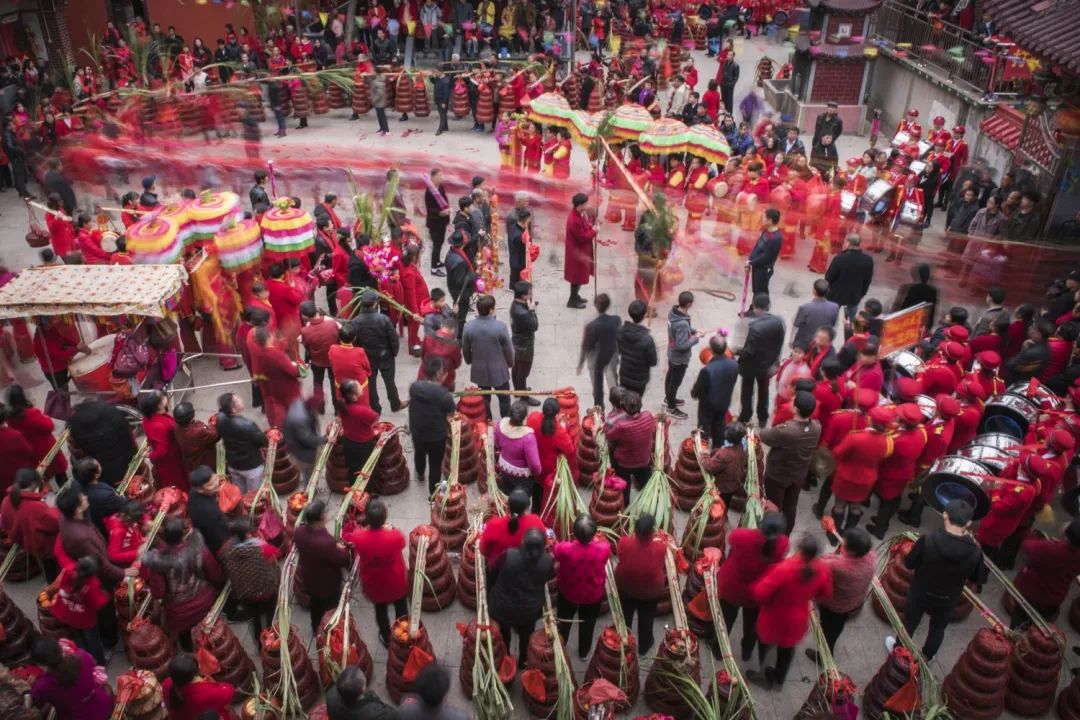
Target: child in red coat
77, 603
126, 534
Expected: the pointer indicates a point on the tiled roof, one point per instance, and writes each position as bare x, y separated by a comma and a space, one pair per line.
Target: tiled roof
1004, 126
1048, 28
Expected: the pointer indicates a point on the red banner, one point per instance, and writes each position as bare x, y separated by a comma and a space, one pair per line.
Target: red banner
904, 329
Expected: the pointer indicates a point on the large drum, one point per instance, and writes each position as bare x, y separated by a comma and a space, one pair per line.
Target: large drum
878, 197
955, 477
1014, 410
928, 406
92, 373
994, 450
902, 363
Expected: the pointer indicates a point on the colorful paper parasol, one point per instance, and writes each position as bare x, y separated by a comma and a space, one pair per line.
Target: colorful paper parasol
707, 142
584, 127
154, 241
287, 232
550, 109
240, 246
212, 211
178, 214
667, 136
630, 120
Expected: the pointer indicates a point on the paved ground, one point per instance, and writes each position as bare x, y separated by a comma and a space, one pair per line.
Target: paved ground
860, 651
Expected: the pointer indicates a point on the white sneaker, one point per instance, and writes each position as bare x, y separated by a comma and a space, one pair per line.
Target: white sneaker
890, 643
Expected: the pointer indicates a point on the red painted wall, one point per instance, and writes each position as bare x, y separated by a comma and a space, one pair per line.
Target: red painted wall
205, 21
85, 20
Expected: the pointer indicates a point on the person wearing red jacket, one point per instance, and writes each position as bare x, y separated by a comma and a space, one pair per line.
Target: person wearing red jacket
197, 439
897, 470
941, 373
285, 299
382, 567
160, 430
552, 440
30, 523
581, 564
16, 452
37, 428
751, 552
578, 262
784, 594
318, 335
987, 373
348, 362
939, 433
61, 229
126, 534
865, 374
857, 458
1012, 505
357, 426
189, 696
278, 376
56, 343
416, 292
442, 343
78, 601
89, 242
506, 531
1051, 567
966, 425
841, 424
827, 393
640, 576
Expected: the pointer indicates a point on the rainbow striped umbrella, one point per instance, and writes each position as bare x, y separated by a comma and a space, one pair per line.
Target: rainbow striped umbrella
585, 127
288, 232
239, 247
154, 241
707, 142
630, 120
178, 214
666, 137
551, 109
212, 211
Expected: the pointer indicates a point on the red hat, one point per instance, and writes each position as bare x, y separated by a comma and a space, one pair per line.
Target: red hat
882, 416
1062, 440
913, 151
939, 121
901, 161
913, 112
953, 350
959, 130
1036, 465
958, 333
943, 138
866, 399
905, 389
910, 414
854, 162
947, 405
989, 360
971, 390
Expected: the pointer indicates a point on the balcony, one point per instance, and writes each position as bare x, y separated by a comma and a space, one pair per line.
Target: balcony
946, 53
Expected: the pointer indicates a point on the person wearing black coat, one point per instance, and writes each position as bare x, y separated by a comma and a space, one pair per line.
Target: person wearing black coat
351, 699
637, 350
438, 219
828, 123
442, 86
766, 250
729, 76
243, 442
599, 346
430, 404
16, 158
523, 325
849, 276
101, 497
516, 225
758, 359
100, 430
260, 200
375, 333
517, 595
460, 278
919, 290
714, 389
359, 274
55, 182
203, 508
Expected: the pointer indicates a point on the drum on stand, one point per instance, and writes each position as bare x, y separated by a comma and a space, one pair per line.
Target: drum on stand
955, 477
927, 405
879, 197
92, 372
902, 363
995, 450
1010, 413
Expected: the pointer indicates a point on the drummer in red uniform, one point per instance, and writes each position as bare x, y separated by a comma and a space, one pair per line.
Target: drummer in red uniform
841, 424
938, 131
972, 398
987, 373
697, 200
939, 432
277, 375
958, 159
1012, 505
910, 125
857, 459
865, 374
285, 299
940, 374
897, 470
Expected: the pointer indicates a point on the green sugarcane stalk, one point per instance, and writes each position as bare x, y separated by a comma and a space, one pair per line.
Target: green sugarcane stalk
655, 497
218, 606
565, 502
1036, 617
219, 458
744, 699
490, 696
133, 466
564, 703
419, 577
57, 446
286, 687
319, 469
929, 689
362, 478
498, 497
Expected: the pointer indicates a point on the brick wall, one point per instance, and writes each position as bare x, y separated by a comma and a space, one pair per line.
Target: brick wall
837, 81
55, 31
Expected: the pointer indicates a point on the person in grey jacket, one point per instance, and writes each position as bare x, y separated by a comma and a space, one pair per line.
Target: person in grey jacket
486, 346
375, 333
812, 315
302, 436
681, 338
378, 101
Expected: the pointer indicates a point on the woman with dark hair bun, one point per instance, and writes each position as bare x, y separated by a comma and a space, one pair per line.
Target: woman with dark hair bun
189, 696
68, 683
160, 429
552, 440
641, 578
